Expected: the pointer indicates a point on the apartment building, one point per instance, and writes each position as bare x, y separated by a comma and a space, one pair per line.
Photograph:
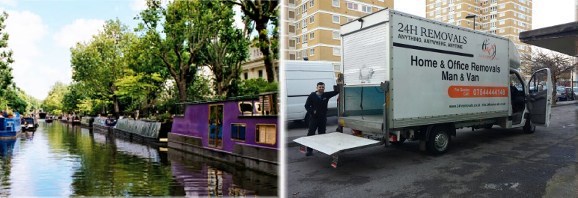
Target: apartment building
506, 18
312, 26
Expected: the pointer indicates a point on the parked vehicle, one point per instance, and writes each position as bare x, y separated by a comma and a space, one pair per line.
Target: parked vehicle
570, 95
410, 78
301, 78
561, 93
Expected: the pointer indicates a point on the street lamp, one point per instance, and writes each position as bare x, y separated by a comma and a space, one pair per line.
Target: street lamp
472, 16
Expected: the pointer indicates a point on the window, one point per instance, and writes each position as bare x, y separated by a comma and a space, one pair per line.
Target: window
246, 75
311, 35
311, 3
266, 134
335, 18
502, 6
304, 8
304, 53
311, 19
238, 131
297, 39
311, 52
292, 56
335, 3
291, 29
292, 43
260, 73
502, 30
366, 9
335, 34
304, 24
502, 22
304, 38
352, 6
502, 14
291, 14
336, 51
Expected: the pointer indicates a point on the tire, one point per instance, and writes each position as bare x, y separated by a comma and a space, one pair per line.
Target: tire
488, 126
529, 127
438, 141
398, 143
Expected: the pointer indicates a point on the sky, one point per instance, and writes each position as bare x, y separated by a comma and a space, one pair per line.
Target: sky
43, 31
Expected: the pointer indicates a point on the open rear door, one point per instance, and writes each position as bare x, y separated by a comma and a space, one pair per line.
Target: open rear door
540, 103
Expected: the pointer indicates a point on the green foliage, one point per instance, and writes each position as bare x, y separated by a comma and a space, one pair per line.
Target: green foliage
5, 56
53, 102
186, 28
99, 64
225, 50
256, 86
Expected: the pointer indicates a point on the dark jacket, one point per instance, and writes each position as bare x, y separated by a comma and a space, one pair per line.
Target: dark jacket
317, 106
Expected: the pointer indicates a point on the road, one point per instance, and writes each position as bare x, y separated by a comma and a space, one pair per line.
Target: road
482, 163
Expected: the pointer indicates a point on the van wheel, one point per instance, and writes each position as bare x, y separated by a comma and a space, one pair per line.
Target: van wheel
438, 141
399, 142
529, 127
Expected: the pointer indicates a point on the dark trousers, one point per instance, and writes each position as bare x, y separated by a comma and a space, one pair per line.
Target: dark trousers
316, 123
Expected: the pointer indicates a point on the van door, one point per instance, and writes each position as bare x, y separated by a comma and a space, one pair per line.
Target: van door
540, 97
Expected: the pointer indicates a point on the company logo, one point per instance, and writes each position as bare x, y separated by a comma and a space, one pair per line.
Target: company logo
489, 50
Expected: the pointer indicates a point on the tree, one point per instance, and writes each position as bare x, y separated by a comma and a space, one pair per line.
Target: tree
185, 30
225, 51
53, 102
558, 64
5, 56
144, 78
262, 12
98, 64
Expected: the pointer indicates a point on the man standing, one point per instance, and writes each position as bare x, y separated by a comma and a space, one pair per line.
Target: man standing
316, 107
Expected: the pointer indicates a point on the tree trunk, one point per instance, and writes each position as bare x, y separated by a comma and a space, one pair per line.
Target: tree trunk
116, 107
182, 90
265, 47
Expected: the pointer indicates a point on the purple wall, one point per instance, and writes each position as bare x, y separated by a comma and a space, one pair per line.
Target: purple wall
196, 123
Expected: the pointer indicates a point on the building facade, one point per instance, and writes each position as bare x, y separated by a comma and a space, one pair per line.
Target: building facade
255, 66
311, 27
505, 18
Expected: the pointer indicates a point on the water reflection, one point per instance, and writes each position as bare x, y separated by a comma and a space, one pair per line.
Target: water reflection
62, 160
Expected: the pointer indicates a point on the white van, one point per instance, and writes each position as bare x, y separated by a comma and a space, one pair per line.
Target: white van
301, 78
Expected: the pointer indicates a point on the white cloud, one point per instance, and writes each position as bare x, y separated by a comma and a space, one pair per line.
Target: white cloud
412, 7
138, 5
8, 2
27, 31
546, 13
81, 30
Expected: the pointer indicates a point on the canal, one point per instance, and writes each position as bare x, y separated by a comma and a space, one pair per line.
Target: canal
63, 160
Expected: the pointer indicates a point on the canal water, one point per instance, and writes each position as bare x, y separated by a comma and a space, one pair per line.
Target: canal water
63, 160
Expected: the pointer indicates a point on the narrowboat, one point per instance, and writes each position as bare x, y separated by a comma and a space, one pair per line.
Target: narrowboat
242, 131
104, 123
49, 119
29, 124
10, 126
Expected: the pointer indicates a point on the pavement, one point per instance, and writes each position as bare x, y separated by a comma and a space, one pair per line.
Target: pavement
482, 163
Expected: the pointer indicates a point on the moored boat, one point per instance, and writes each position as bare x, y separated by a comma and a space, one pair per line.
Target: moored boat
241, 131
10, 126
